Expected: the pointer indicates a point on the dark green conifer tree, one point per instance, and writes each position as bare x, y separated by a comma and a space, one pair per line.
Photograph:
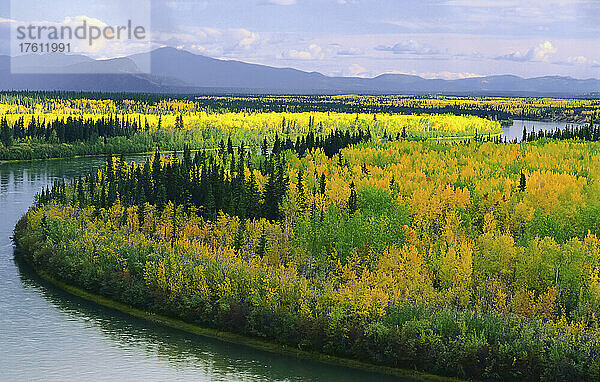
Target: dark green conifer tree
522, 183
261, 246
252, 201
5, 133
229, 146
353, 200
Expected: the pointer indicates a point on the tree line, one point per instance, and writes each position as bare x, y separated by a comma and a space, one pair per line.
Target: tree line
70, 129
587, 132
209, 181
206, 181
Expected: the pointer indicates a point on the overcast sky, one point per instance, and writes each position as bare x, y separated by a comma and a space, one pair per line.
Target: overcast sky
431, 38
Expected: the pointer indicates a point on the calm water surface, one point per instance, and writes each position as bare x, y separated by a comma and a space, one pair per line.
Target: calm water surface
47, 335
516, 130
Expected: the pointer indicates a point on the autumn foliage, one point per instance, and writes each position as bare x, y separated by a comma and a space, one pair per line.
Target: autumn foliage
477, 260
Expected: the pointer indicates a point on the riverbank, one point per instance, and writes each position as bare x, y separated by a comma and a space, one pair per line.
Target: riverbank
129, 154
227, 336
140, 142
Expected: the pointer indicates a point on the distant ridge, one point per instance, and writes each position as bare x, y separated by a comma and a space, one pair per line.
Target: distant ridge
179, 71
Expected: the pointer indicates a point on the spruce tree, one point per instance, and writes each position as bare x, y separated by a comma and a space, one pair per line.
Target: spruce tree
264, 148
522, 183
161, 196
271, 206
252, 200
211, 209
222, 148
5, 133
353, 200
276, 145
261, 247
300, 186
238, 241
229, 146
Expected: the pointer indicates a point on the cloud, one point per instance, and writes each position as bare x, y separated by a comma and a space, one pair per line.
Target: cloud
187, 5
350, 52
280, 2
355, 70
314, 52
408, 47
451, 75
577, 60
243, 39
444, 75
537, 53
514, 3
212, 41
481, 3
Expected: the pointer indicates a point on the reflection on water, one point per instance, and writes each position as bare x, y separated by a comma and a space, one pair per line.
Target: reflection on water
46, 334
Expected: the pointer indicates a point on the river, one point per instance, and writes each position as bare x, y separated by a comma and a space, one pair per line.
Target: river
48, 335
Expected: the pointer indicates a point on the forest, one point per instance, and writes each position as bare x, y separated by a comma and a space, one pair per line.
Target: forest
477, 260
495, 108
34, 126
421, 241
41, 125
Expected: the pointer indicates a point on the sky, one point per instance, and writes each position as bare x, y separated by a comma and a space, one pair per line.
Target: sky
431, 38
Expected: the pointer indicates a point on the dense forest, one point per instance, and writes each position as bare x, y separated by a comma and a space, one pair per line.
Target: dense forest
478, 259
497, 108
587, 132
37, 127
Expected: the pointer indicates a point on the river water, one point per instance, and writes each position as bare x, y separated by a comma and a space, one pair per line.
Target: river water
48, 335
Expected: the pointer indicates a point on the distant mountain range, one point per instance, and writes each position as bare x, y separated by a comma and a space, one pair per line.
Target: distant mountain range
179, 71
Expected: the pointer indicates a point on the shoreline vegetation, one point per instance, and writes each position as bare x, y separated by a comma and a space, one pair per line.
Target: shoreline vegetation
230, 337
